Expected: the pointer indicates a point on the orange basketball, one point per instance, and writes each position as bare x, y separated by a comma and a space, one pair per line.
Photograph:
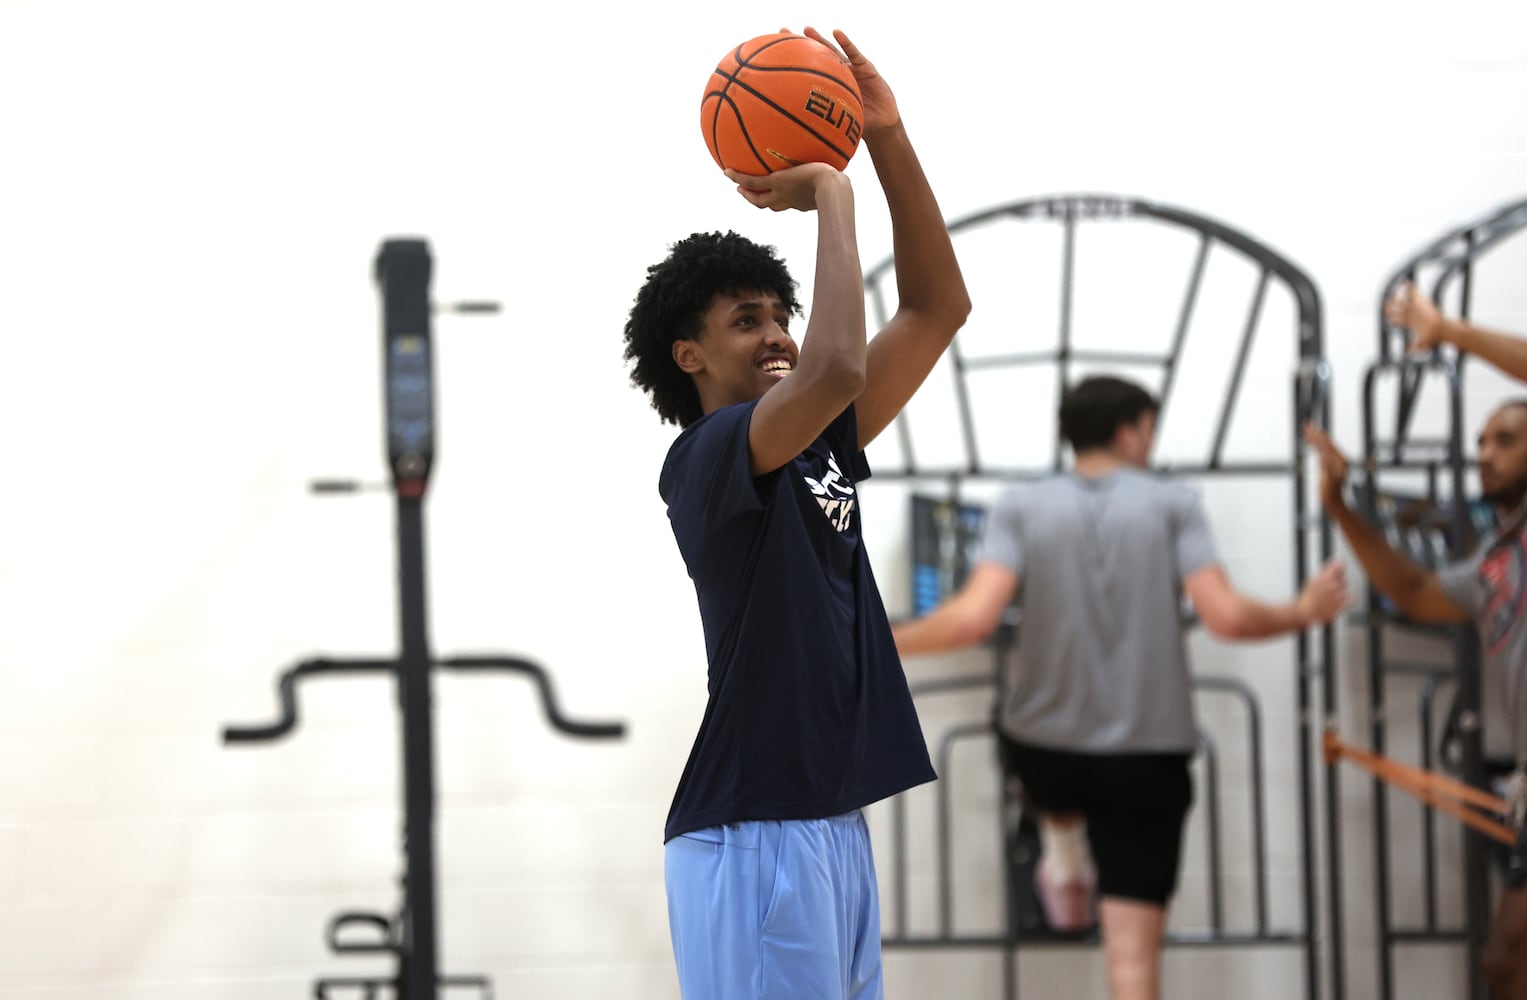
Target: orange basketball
778, 100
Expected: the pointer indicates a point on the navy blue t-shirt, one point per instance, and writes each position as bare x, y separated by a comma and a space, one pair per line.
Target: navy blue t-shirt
809, 714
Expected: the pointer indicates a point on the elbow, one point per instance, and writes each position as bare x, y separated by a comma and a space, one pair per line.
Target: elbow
945, 633
846, 375
951, 312
970, 633
854, 380
1224, 623
1225, 632
959, 309
942, 312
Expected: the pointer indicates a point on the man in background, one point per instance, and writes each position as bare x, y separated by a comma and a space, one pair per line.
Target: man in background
1098, 720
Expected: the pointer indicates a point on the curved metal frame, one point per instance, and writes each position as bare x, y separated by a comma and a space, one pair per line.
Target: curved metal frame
1312, 534
1070, 210
403, 270
1452, 256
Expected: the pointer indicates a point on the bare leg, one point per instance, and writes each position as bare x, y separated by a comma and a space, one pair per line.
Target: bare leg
1064, 839
1132, 937
1506, 951
1065, 878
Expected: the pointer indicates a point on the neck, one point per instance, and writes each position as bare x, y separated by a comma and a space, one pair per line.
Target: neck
713, 398
1097, 462
1505, 507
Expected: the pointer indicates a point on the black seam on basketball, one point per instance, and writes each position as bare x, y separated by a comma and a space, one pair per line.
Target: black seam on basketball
727, 77
742, 126
851, 86
752, 148
747, 63
743, 60
846, 154
731, 77
715, 123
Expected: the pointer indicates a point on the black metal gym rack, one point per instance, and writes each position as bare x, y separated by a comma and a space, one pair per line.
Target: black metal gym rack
1310, 537
1437, 468
403, 270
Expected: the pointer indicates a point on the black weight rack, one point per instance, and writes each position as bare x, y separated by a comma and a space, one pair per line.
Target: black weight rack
948, 519
1429, 514
403, 271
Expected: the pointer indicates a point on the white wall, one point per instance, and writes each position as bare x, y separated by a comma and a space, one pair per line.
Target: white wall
190, 200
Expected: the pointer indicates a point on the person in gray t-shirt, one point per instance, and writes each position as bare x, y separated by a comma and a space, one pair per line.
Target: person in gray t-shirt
1097, 722
1104, 554
1488, 588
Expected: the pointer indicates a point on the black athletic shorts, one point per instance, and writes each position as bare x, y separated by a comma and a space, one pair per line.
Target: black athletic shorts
1135, 805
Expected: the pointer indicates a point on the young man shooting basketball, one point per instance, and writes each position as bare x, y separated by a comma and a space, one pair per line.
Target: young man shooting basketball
770, 879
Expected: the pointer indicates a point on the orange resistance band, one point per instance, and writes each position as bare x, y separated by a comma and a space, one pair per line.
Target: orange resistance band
1452, 797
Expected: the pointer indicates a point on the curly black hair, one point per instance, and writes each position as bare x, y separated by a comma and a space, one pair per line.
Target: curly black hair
672, 304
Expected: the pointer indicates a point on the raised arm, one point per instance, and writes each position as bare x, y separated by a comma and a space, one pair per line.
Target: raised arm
932, 302
829, 373
968, 618
1409, 307
1415, 590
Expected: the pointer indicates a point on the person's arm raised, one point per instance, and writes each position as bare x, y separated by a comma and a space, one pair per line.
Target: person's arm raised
1415, 590
829, 373
1410, 308
932, 303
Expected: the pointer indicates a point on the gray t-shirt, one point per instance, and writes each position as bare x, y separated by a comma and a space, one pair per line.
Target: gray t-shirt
1491, 587
1101, 663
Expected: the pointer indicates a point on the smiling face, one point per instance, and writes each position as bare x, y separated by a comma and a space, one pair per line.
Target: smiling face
744, 348
1503, 456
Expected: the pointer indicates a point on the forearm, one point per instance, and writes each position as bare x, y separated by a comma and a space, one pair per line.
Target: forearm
1504, 351
939, 631
1254, 619
1387, 570
928, 277
835, 336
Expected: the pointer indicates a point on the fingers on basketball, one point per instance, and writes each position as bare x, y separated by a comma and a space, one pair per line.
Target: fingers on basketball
817, 36
848, 47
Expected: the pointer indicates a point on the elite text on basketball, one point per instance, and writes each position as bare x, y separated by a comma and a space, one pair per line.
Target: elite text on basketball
836, 115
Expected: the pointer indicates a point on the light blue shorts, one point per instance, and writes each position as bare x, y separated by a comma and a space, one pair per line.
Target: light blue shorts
773, 910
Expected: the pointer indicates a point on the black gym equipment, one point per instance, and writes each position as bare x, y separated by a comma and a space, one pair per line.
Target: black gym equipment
1434, 519
403, 269
943, 527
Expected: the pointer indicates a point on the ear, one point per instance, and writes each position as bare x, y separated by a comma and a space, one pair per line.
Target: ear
686, 354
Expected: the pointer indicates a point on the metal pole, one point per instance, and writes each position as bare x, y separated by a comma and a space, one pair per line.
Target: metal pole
1428, 823
1063, 356
403, 270
1383, 931
1314, 381
1476, 886
420, 963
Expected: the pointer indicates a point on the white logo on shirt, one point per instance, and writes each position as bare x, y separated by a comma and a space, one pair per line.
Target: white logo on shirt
835, 494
